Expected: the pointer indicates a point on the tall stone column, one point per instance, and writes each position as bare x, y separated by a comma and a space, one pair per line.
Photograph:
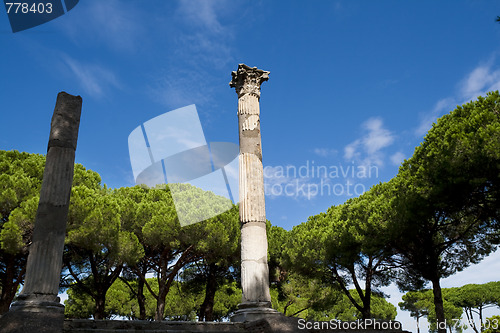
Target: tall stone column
38, 306
256, 300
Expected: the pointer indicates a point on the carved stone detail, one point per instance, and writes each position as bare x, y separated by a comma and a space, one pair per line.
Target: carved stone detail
252, 207
248, 104
247, 80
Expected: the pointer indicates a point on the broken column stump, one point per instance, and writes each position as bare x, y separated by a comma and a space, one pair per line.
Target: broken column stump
37, 308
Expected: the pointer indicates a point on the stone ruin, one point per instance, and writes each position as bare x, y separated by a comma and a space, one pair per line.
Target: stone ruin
38, 308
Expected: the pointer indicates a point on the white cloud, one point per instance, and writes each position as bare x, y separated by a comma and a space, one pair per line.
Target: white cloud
476, 80
442, 106
93, 78
397, 158
377, 137
368, 148
482, 79
350, 150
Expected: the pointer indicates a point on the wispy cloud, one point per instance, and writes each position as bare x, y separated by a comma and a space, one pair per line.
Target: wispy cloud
482, 79
177, 88
485, 77
201, 13
442, 106
93, 78
325, 152
397, 158
201, 47
368, 148
202, 34
115, 24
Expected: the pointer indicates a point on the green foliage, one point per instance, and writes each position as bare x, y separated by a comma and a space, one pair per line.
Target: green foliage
94, 224
20, 181
97, 244
119, 302
277, 239
418, 303
218, 238
79, 305
193, 204
216, 242
474, 298
436, 217
181, 302
492, 324
421, 303
151, 214
446, 196
478, 296
380, 308
347, 244
12, 240
21, 177
110, 229
227, 298
452, 316
303, 297
308, 298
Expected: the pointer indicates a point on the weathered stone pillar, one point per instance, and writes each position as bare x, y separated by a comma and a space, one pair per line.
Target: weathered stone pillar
38, 305
256, 300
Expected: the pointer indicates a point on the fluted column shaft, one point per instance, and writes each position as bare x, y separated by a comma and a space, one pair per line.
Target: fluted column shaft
45, 253
254, 267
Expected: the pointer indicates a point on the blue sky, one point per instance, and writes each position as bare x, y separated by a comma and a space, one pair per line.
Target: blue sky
353, 84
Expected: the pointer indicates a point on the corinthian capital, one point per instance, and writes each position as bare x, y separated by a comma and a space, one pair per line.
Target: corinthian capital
247, 80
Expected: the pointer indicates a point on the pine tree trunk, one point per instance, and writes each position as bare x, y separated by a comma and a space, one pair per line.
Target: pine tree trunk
7, 284
438, 305
10, 282
207, 307
6, 298
481, 318
160, 309
141, 299
160, 302
100, 303
166, 278
368, 292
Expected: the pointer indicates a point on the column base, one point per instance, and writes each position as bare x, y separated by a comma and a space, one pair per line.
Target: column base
33, 314
251, 311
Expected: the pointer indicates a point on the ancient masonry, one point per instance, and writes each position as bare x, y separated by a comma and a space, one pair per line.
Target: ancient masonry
38, 309
256, 300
